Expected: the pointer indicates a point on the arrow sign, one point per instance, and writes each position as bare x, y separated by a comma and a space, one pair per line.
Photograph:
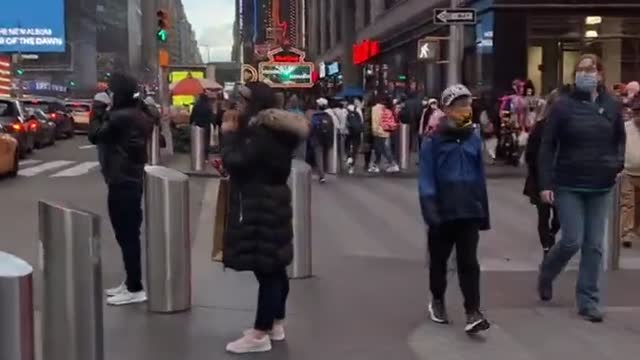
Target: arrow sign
459, 16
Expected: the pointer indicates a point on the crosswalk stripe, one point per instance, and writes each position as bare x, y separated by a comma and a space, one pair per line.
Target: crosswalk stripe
32, 171
84, 147
29, 162
80, 169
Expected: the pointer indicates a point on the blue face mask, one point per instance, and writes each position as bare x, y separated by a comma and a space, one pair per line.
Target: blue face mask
587, 82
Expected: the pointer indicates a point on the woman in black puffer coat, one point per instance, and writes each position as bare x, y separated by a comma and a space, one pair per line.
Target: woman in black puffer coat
257, 154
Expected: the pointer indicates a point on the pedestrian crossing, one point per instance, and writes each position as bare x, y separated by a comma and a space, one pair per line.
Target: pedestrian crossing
57, 168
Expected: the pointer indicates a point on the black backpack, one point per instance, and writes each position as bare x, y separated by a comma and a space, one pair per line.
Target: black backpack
323, 128
354, 123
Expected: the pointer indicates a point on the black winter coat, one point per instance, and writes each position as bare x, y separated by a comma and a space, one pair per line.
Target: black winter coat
583, 143
259, 233
531, 186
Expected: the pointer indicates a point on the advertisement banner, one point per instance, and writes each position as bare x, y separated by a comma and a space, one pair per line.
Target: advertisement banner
34, 26
286, 75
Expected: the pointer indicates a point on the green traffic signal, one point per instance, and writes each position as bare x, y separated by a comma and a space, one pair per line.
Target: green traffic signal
162, 35
72, 83
19, 72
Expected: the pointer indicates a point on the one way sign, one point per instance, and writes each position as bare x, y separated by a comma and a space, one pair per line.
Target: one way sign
459, 16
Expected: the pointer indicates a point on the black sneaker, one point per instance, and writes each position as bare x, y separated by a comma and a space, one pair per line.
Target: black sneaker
323, 180
593, 315
545, 291
438, 312
476, 322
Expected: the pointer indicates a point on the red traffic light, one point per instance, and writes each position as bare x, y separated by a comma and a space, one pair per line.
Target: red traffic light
163, 19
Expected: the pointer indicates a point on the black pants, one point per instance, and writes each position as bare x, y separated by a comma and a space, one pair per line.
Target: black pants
464, 235
125, 211
548, 225
352, 146
272, 299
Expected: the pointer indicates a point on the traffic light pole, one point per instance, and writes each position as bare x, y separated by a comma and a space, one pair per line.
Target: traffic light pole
456, 41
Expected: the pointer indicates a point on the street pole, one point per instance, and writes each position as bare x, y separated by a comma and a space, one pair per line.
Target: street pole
456, 43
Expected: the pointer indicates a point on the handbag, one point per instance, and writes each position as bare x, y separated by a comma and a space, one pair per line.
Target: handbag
220, 219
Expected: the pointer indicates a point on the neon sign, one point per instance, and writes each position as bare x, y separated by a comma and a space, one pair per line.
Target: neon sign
287, 69
364, 51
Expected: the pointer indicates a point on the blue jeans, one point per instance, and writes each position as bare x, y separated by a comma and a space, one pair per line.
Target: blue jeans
583, 217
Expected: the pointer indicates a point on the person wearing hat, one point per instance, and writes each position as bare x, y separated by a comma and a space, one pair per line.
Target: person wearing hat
121, 135
454, 204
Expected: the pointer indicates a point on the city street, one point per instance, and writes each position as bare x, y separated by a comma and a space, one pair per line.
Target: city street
368, 297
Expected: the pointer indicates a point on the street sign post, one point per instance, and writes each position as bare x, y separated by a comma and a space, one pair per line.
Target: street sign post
455, 16
429, 49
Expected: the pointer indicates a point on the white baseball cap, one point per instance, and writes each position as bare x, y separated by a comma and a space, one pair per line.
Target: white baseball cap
322, 102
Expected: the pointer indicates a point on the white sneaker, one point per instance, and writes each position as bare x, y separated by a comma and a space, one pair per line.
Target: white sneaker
374, 169
276, 334
393, 169
249, 344
351, 170
350, 161
126, 298
116, 290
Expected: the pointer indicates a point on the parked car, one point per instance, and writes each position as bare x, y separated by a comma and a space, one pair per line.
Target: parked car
13, 121
56, 111
9, 154
81, 112
46, 131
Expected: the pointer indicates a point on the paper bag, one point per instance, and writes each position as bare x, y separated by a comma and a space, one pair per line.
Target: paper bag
220, 219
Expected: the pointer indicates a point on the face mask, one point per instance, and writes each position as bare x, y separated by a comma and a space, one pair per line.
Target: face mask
587, 82
351, 107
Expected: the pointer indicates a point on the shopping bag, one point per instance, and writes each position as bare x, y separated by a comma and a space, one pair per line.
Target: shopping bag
220, 219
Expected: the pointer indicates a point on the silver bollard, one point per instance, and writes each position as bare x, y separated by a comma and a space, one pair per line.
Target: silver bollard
300, 184
198, 143
404, 141
334, 161
166, 199
612, 239
16, 309
72, 325
154, 146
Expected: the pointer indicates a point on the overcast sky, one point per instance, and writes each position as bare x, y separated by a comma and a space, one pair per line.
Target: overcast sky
212, 21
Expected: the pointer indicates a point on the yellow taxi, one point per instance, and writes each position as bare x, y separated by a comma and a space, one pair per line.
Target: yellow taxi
81, 112
9, 154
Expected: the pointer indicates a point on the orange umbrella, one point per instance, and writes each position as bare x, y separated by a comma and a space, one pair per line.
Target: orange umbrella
191, 86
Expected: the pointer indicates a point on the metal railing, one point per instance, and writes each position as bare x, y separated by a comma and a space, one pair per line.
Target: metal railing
72, 325
166, 199
300, 184
16, 309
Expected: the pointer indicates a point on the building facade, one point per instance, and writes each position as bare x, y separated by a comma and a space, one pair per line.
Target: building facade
528, 39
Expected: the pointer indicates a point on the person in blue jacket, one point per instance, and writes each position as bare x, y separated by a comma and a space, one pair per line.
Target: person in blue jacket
453, 200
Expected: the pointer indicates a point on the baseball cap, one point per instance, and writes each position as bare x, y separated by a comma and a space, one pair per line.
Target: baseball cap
450, 94
322, 102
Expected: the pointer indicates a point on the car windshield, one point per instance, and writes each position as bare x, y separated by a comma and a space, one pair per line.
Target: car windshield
32, 105
8, 109
39, 114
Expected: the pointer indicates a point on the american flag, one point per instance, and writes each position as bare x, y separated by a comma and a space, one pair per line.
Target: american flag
5, 75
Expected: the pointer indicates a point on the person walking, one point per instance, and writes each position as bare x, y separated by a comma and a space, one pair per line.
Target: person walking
355, 127
121, 138
630, 195
383, 124
257, 155
581, 154
321, 138
548, 223
454, 204
203, 116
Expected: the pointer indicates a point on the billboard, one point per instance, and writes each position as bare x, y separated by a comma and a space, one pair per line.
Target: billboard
34, 26
286, 75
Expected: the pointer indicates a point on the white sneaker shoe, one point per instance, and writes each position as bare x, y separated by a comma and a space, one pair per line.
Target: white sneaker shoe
276, 334
126, 298
374, 169
116, 290
393, 169
249, 344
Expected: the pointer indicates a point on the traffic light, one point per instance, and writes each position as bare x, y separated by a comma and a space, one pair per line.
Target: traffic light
71, 83
162, 34
19, 71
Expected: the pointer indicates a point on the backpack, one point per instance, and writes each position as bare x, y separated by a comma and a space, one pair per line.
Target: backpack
322, 128
388, 122
354, 123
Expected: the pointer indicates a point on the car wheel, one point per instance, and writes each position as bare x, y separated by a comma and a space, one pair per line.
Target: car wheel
16, 164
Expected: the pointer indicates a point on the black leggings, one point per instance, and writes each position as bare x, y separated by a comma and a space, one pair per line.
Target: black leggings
464, 235
272, 298
548, 225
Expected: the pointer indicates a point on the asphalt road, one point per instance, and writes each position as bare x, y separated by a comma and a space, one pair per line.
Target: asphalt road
367, 298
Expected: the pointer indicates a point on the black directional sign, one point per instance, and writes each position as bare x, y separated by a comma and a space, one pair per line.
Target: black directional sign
458, 16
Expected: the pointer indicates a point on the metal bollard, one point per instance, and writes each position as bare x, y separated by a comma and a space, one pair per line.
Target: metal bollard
300, 184
612, 240
154, 146
166, 199
404, 141
198, 143
72, 325
16, 309
334, 161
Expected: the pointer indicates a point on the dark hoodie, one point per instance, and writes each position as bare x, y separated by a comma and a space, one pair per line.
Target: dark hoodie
122, 136
258, 157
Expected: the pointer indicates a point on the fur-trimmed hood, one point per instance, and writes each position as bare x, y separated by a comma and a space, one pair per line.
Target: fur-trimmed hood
281, 120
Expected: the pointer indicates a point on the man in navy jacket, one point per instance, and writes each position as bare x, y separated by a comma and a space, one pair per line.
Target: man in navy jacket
453, 199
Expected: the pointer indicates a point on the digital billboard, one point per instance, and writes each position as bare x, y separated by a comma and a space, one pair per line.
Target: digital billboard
34, 26
286, 75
